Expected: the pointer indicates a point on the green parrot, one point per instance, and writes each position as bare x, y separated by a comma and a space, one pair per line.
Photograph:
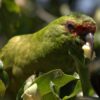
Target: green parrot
64, 44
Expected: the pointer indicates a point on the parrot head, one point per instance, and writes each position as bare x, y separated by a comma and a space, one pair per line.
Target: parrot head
82, 26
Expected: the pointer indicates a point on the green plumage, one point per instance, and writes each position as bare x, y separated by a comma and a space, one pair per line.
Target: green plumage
50, 48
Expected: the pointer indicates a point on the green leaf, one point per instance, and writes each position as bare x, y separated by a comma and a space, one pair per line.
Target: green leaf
59, 79
56, 76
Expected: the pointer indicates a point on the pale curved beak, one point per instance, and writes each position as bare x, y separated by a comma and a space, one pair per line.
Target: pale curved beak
89, 46
90, 39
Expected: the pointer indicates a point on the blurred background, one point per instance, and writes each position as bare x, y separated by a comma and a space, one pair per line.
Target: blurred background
27, 16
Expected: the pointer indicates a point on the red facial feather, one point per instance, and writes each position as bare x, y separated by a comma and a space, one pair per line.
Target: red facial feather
82, 29
85, 28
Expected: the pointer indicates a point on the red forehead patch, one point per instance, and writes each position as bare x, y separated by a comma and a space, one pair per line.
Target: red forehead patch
85, 28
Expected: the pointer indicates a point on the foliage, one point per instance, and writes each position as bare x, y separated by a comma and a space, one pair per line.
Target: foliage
50, 83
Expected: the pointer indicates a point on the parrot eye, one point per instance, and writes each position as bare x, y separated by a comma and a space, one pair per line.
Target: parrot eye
71, 27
